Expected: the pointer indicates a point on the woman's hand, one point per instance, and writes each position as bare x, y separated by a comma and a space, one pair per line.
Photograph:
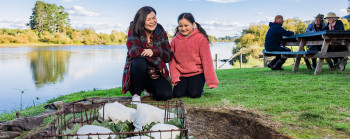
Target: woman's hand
147, 52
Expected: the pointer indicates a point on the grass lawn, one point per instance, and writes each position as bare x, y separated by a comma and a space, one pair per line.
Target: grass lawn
305, 105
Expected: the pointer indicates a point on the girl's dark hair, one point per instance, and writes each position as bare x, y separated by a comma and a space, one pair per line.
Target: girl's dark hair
138, 24
189, 17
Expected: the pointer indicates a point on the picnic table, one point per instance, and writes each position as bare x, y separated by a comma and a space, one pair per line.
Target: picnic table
321, 38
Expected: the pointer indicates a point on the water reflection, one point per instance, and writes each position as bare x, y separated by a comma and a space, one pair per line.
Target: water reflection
48, 67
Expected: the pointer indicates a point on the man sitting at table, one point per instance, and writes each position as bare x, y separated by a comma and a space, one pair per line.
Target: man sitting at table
273, 42
317, 25
335, 24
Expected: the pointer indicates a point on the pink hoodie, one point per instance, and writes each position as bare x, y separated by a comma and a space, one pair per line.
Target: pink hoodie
192, 57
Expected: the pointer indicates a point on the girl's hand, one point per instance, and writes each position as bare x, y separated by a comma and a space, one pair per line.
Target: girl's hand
147, 52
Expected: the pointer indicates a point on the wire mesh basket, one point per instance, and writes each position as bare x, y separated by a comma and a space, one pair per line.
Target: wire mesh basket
86, 114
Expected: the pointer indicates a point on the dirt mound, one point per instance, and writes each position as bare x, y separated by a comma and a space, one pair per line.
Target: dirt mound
222, 123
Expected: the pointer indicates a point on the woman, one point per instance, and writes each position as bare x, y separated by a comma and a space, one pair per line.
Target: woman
335, 24
148, 51
192, 64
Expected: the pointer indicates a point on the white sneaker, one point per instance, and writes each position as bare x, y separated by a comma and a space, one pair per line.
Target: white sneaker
146, 93
136, 98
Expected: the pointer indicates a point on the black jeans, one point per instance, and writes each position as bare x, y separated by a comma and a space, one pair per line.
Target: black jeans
190, 86
140, 80
279, 60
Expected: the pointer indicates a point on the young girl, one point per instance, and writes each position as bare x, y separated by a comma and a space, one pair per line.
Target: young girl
192, 64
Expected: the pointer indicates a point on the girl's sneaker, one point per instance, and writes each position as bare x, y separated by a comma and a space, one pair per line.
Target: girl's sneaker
136, 98
146, 93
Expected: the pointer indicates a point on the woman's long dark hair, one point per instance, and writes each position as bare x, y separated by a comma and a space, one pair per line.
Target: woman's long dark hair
189, 17
138, 24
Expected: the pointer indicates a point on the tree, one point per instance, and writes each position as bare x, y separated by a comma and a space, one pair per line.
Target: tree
48, 17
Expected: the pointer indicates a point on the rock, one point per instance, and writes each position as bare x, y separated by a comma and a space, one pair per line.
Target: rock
13, 128
9, 134
59, 105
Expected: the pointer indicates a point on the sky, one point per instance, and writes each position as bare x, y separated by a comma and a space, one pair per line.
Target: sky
218, 17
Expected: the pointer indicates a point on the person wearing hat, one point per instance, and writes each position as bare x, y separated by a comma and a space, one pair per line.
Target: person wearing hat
317, 25
273, 42
335, 24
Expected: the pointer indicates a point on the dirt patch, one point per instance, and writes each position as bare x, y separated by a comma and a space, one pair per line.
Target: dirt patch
221, 123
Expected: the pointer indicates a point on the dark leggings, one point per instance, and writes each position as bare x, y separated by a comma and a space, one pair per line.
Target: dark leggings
190, 86
140, 80
279, 57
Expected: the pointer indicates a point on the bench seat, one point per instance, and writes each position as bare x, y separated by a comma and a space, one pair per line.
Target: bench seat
288, 54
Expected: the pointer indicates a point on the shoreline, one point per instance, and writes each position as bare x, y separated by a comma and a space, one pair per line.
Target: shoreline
49, 44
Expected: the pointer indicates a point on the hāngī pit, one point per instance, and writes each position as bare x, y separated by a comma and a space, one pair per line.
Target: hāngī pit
224, 123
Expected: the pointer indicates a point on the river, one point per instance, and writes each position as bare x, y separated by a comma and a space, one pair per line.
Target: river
32, 75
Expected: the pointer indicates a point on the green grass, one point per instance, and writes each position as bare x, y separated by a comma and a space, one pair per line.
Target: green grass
303, 103
306, 105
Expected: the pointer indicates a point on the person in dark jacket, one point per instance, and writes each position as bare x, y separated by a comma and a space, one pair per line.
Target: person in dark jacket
273, 42
148, 52
335, 24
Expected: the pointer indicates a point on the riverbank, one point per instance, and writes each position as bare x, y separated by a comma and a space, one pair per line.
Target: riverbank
51, 44
303, 105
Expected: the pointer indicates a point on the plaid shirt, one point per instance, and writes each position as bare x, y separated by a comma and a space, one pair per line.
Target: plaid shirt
161, 53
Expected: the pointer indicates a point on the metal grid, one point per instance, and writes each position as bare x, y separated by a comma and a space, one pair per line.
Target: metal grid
84, 114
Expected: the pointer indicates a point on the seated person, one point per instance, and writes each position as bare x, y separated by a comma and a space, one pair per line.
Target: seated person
335, 24
273, 42
317, 25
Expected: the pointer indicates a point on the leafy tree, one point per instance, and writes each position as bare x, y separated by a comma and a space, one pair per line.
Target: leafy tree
120, 37
48, 17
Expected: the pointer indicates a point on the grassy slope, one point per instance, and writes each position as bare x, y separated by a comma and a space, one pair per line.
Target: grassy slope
307, 106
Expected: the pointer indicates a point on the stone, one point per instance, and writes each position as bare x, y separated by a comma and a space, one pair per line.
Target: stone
9, 134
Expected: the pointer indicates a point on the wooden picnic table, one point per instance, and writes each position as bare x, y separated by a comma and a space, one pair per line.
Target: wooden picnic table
321, 38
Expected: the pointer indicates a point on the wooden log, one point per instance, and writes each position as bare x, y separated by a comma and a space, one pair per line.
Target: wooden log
301, 48
240, 61
321, 60
320, 42
319, 66
216, 61
333, 36
328, 55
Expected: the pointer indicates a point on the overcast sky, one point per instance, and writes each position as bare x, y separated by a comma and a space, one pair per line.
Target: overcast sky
218, 17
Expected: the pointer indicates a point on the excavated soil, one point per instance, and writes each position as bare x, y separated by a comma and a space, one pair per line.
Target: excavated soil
225, 123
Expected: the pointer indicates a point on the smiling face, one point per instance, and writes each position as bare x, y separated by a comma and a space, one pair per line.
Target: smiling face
186, 27
151, 21
330, 20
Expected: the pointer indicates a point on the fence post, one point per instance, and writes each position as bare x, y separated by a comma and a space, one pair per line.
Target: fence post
240, 61
216, 61
264, 59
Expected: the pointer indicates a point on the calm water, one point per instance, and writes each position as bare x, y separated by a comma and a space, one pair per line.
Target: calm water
37, 74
